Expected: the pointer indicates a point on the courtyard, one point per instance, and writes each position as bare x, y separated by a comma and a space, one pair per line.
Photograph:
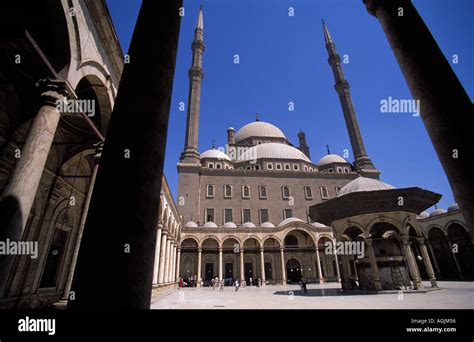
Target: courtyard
452, 295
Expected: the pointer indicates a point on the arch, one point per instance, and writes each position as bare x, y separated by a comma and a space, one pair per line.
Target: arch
383, 219
189, 237
252, 237
231, 237
268, 237
210, 237
385, 225
301, 230
435, 227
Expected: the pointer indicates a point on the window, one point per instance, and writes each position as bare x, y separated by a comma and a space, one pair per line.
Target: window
259, 142
337, 190
210, 165
285, 191
228, 215
296, 167
308, 193
278, 166
210, 191
287, 213
346, 169
218, 166
310, 169
245, 191
262, 192
305, 168
287, 166
324, 193
246, 216
248, 167
257, 167
269, 166
226, 167
339, 169
264, 216
209, 215
227, 191
331, 170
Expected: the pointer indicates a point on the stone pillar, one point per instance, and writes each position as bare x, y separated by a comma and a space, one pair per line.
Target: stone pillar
21, 189
456, 262
412, 266
318, 262
242, 270
161, 271
345, 275
262, 265
122, 213
85, 210
435, 261
167, 260
178, 263
173, 273
199, 276
337, 263
427, 262
446, 109
283, 270
157, 252
220, 263
373, 264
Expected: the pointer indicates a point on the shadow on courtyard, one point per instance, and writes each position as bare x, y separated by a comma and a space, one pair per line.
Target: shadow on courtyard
322, 293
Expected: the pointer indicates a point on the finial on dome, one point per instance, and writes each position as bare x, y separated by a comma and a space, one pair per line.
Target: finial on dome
327, 147
256, 117
213, 144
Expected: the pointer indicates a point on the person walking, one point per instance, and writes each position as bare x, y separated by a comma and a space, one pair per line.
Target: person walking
221, 285
213, 284
250, 281
237, 285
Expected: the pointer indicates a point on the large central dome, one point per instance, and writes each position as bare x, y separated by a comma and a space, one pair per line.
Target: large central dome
258, 129
273, 151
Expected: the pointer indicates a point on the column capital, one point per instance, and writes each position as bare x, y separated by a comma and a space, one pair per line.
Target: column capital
220, 249
421, 240
405, 239
52, 91
160, 224
282, 249
262, 249
369, 242
199, 249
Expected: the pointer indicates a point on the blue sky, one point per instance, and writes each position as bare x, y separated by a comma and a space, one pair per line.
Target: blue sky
284, 59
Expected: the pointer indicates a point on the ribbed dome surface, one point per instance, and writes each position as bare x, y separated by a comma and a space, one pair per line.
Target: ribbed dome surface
329, 159
215, 154
259, 129
273, 151
364, 184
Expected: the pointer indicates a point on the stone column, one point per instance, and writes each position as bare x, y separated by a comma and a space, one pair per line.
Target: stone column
24, 181
161, 271
85, 210
337, 263
242, 270
427, 262
318, 262
446, 109
167, 260
173, 273
435, 261
283, 270
262, 265
178, 263
157, 252
220, 263
412, 267
123, 210
373, 264
456, 262
199, 276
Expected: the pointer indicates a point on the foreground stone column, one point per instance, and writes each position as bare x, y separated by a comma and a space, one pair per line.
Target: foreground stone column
373, 264
283, 270
21, 189
161, 271
446, 109
435, 261
456, 262
427, 262
220, 263
262, 265
115, 265
85, 211
173, 263
242, 270
412, 267
199, 266
166, 278
178, 263
318, 261
337, 264
157, 252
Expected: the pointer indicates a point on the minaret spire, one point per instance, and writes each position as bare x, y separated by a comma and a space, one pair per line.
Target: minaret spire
362, 161
196, 74
303, 145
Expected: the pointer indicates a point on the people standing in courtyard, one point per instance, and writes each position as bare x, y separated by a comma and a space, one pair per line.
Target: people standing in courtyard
237, 285
250, 281
221, 285
213, 284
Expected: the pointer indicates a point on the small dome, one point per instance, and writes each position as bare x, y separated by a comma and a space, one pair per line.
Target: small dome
191, 224
318, 225
215, 154
259, 129
453, 207
331, 158
230, 128
364, 184
273, 151
288, 220
230, 225
423, 214
248, 225
210, 224
437, 212
267, 225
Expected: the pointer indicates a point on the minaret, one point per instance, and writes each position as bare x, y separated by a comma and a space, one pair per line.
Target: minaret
362, 162
190, 154
303, 146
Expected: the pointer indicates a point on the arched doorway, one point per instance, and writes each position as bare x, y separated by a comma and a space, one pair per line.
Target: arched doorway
230, 260
273, 263
293, 270
299, 245
210, 260
251, 260
189, 256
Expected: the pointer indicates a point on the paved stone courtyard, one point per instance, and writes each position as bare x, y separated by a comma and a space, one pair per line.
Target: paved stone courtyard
454, 295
